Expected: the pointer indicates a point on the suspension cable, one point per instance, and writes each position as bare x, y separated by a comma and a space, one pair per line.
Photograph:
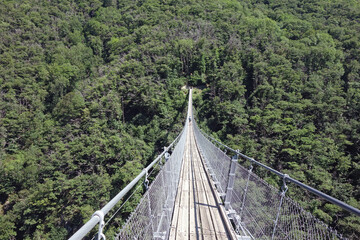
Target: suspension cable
318, 193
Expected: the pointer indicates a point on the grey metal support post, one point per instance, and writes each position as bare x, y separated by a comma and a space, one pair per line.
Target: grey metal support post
283, 192
146, 186
170, 168
158, 235
100, 215
231, 179
164, 191
167, 156
150, 212
146, 181
168, 174
246, 189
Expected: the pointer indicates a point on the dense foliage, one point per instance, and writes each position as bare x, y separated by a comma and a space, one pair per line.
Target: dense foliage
90, 92
86, 103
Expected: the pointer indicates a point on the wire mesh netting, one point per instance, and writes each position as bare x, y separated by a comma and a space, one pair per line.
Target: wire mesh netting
152, 217
257, 205
218, 160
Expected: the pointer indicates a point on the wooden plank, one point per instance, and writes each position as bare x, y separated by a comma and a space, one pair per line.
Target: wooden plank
214, 211
224, 229
175, 217
192, 219
196, 204
182, 231
213, 207
182, 228
205, 216
183, 222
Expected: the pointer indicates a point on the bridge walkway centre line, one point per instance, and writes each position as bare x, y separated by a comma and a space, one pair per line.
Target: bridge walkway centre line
197, 212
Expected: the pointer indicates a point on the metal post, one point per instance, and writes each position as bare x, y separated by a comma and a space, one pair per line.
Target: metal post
100, 215
167, 176
284, 189
157, 234
230, 185
164, 192
167, 156
246, 189
146, 181
170, 186
150, 212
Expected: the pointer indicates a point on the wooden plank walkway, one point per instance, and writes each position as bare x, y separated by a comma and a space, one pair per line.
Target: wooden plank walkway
197, 212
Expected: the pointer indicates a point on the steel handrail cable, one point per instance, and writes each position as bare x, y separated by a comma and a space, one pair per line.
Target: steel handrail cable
333, 200
271, 200
152, 217
88, 226
126, 200
98, 216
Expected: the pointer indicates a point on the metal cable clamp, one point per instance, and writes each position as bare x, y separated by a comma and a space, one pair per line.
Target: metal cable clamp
100, 214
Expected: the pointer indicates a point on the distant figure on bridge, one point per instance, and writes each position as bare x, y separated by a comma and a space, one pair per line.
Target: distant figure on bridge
189, 119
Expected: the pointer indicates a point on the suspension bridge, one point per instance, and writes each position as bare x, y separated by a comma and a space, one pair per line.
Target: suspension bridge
202, 193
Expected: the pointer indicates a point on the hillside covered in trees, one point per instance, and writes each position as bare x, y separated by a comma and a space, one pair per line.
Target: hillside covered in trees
90, 92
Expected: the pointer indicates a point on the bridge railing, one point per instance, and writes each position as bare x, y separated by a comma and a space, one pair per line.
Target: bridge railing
152, 217
156, 190
257, 209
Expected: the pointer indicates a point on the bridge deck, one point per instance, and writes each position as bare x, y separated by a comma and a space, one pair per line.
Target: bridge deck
197, 214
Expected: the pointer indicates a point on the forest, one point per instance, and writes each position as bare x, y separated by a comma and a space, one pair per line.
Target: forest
91, 91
